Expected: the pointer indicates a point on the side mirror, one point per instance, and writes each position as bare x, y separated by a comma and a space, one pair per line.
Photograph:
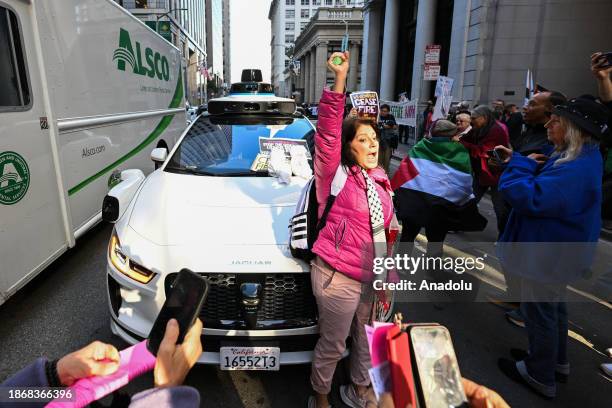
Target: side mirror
118, 198
159, 155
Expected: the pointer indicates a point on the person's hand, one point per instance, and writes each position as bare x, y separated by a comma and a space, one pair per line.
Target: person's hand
481, 397
97, 358
175, 360
600, 67
538, 157
456, 138
353, 113
342, 69
505, 153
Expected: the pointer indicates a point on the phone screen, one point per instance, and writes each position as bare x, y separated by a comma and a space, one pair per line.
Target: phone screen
494, 154
184, 303
437, 368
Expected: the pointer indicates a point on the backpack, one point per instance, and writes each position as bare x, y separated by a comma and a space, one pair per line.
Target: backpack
305, 225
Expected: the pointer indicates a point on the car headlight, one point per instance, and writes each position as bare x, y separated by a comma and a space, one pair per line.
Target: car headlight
124, 264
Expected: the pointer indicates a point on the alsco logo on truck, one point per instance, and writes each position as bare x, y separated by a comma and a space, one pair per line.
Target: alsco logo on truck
157, 64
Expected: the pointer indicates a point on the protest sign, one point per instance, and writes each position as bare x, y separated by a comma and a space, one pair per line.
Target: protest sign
405, 112
442, 107
444, 86
266, 144
366, 104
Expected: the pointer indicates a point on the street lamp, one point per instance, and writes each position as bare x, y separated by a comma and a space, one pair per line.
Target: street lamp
159, 16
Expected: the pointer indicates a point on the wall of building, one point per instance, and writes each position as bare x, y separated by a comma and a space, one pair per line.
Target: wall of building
227, 67
289, 18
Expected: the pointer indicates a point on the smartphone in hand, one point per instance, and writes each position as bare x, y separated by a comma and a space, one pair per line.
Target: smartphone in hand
184, 303
607, 56
494, 154
436, 370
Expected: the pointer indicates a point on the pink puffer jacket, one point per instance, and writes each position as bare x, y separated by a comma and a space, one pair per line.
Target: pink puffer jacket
346, 240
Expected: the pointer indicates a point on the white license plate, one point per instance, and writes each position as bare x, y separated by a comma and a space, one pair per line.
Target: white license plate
250, 358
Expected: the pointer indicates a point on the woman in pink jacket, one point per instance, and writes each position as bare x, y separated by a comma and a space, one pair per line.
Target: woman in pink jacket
343, 265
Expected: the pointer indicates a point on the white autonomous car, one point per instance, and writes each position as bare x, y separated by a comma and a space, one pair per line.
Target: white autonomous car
212, 207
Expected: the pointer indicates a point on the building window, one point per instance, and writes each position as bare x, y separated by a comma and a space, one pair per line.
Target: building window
289, 38
329, 2
316, 2
304, 13
14, 89
303, 24
287, 63
305, 2
290, 2
289, 26
289, 13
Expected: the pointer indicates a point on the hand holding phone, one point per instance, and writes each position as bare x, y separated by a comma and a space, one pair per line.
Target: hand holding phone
184, 303
437, 375
174, 361
601, 64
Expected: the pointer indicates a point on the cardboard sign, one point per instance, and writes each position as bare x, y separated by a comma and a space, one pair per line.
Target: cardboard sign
366, 104
431, 72
442, 107
444, 86
432, 54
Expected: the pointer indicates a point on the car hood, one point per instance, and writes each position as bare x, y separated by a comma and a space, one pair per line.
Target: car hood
189, 210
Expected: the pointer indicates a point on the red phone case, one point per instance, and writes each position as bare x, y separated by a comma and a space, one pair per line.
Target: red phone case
400, 368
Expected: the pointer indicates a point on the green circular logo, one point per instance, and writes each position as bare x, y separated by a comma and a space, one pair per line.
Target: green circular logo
14, 178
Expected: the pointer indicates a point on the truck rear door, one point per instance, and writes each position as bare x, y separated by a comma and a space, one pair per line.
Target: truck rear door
32, 231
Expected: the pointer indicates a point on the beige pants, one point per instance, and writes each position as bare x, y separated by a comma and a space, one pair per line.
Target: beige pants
341, 313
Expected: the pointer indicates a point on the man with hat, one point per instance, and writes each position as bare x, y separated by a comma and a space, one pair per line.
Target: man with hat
551, 234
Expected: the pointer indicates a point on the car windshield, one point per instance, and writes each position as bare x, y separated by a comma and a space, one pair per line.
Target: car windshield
229, 147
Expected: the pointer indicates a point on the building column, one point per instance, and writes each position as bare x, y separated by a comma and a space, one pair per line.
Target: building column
353, 67
313, 78
320, 70
425, 34
370, 61
458, 46
389, 52
307, 77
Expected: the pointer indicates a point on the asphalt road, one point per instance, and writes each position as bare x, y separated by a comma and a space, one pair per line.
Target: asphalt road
65, 308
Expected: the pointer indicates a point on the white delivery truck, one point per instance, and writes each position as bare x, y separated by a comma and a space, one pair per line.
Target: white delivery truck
86, 90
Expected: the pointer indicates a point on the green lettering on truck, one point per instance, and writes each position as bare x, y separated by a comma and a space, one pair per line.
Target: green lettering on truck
124, 54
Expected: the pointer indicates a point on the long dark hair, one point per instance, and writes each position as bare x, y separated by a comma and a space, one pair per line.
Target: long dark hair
349, 130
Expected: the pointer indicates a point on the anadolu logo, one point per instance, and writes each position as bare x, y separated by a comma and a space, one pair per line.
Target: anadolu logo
14, 178
156, 64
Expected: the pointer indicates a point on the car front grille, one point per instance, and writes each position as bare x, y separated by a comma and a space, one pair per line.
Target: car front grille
286, 300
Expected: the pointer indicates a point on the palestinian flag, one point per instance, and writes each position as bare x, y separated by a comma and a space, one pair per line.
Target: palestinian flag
437, 167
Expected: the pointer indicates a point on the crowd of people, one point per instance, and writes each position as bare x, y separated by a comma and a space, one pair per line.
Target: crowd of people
525, 161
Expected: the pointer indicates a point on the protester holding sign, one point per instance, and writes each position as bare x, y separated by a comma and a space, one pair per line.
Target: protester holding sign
344, 248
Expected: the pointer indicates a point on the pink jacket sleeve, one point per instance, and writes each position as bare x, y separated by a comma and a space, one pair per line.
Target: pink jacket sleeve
328, 143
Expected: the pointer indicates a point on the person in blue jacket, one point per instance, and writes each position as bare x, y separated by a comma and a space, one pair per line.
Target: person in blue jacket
552, 233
